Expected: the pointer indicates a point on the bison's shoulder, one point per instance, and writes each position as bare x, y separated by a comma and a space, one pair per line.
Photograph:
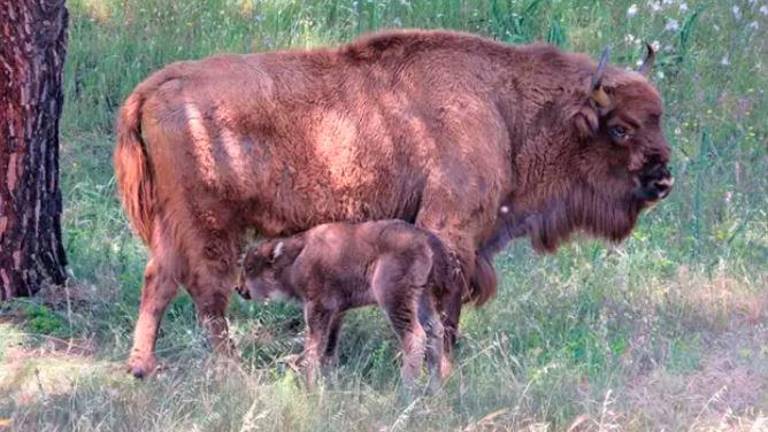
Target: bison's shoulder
402, 43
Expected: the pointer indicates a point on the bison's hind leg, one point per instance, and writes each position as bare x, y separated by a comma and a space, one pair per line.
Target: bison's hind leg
161, 279
210, 282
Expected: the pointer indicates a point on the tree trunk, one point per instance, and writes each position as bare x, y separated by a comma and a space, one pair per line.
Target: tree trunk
32, 48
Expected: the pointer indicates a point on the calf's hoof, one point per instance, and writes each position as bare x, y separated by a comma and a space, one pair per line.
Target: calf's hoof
446, 367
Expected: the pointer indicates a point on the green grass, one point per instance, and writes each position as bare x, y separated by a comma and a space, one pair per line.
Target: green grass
666, 331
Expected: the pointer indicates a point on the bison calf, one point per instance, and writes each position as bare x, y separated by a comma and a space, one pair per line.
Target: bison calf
336, 267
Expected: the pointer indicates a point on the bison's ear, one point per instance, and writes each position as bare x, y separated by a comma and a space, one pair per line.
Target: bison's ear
586, 121
587, 118
598, 94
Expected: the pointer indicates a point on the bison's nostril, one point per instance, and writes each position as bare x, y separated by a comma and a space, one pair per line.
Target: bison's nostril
663, 186
665, 183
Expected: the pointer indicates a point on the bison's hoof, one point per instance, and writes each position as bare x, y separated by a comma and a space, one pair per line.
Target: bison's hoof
141, 368
138, 372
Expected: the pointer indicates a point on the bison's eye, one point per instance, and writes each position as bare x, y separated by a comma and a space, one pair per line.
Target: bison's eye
618, 133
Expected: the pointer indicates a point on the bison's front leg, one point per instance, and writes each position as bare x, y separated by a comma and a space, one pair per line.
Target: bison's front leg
457, 219
462, 265
461, 257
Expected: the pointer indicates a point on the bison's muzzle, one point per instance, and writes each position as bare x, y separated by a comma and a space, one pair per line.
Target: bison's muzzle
655, 183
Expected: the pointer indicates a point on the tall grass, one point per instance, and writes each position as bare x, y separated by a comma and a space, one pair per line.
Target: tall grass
594, 337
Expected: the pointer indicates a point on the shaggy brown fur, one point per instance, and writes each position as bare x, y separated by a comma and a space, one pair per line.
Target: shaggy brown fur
336, 267
432, 127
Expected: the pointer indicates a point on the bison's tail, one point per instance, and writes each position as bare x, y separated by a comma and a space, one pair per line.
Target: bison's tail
134, 175
482, 285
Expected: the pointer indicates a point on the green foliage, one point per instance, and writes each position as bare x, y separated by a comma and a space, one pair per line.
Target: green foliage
42, 320
569, 334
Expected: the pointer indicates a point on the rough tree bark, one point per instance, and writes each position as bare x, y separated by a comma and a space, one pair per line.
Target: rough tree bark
32, 48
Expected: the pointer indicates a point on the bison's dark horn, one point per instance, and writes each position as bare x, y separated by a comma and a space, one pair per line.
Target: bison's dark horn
597, 78
650, 57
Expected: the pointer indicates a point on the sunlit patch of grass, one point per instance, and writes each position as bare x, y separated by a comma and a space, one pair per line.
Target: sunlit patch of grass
28, 378
10, 336
96, 10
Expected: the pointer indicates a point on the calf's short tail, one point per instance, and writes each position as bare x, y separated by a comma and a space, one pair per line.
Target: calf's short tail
482, 284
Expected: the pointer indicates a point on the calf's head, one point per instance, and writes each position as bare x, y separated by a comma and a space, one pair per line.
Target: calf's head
262, 275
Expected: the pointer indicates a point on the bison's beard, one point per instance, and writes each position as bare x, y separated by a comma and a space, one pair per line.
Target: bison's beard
581, 210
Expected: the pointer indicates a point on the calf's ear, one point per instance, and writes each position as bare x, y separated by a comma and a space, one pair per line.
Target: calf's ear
277, 251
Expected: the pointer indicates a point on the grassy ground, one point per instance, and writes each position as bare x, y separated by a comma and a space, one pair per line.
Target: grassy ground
667, 331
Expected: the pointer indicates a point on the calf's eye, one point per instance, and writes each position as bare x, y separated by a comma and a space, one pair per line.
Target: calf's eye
618, 133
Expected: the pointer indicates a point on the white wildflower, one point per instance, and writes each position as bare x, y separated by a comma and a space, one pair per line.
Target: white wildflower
668, 2
630, 38
672, 25
660, 74
656, 45
683, 7
639, 63
736, 12
754, 25
764, 9
725, 61
632, 11
655, 6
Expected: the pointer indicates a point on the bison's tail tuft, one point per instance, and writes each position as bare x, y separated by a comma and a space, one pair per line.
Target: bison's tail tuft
132, 169
482, 285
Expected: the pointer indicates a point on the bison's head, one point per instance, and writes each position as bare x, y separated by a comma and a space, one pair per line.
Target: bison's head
606, 164
622, 124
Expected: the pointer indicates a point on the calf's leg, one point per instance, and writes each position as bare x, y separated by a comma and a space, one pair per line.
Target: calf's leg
461, 256
437, 365
399, 299
319, 322
330, 356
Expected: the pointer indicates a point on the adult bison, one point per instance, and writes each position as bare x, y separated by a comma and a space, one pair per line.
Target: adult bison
433, 127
